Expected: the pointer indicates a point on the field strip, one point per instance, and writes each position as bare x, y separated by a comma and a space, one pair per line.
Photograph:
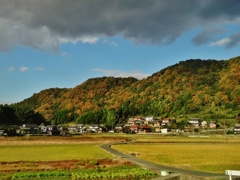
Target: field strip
156, 167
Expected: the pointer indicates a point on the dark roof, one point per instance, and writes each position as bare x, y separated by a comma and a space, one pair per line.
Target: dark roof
30, 126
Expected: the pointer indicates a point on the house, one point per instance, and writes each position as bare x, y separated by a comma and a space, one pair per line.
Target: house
166, 122
95, 128
134, 128
77, 128
53, 130
145, 128
150, 118
195, 122
237, 129
130, 121
64, 131
119, 127
3, 132
106, 128
212, 125
157, 125
204, 124
28, 129
164, 131
136, 120
139, 120
43, 129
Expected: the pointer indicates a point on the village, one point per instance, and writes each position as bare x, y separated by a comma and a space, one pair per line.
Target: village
137, 124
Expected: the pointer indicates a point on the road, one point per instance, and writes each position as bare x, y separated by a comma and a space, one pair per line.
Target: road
159, 168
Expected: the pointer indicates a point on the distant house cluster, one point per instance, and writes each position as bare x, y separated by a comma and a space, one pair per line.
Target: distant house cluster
34, 129
196, 122
137, 124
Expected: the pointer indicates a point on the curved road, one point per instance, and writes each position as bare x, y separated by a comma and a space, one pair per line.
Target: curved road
159, 168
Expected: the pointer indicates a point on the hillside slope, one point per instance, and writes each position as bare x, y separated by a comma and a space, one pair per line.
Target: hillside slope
208, 88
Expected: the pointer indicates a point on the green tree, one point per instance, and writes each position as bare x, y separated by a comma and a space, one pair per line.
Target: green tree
7, 115
111, 118
26, 115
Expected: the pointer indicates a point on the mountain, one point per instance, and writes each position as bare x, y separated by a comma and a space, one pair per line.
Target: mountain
209, 89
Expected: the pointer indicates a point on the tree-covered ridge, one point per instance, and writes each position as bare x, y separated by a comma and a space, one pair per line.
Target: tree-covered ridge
64, 105
43, 98
208, 88
95, 93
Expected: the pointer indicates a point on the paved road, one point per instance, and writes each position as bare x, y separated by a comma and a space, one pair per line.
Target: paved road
159, 168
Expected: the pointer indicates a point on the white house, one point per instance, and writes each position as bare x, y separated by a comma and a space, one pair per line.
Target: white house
237, 128
150, 118
194, 122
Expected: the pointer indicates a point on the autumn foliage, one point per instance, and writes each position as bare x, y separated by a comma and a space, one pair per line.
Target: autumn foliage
209, 88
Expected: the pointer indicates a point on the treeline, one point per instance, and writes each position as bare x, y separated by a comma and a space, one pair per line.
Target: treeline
207, 89
19, 115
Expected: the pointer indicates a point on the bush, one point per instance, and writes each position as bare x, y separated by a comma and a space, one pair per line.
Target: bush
93, 162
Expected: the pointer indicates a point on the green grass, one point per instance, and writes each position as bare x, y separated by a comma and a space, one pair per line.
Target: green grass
48, 152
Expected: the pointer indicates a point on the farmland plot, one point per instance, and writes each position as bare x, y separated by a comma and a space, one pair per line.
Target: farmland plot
47, 152
206, 157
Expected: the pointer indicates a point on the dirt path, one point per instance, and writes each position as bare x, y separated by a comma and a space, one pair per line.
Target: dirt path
160, 168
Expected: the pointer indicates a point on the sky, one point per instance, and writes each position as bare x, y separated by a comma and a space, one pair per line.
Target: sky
59, 43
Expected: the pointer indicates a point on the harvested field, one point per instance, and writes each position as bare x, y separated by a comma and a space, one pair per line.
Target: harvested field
22, 166
208, 156
38, 153
82, 139
33, 153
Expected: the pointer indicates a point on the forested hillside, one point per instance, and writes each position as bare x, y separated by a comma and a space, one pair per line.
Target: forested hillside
208, 89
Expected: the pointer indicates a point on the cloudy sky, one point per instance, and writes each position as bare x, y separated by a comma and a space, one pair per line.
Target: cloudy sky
62, 43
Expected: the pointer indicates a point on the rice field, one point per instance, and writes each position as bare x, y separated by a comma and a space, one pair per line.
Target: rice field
208, 156
50, 152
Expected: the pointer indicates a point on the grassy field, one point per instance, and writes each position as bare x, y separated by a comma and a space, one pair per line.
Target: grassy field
34, 154
53, 148
46, 152
210, 154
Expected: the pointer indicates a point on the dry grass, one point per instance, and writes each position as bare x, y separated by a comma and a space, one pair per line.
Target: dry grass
59, 165
81, 139
210, 156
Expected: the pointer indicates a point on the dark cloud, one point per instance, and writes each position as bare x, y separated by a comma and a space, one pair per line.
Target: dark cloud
206, 35
234, 40
40, 24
